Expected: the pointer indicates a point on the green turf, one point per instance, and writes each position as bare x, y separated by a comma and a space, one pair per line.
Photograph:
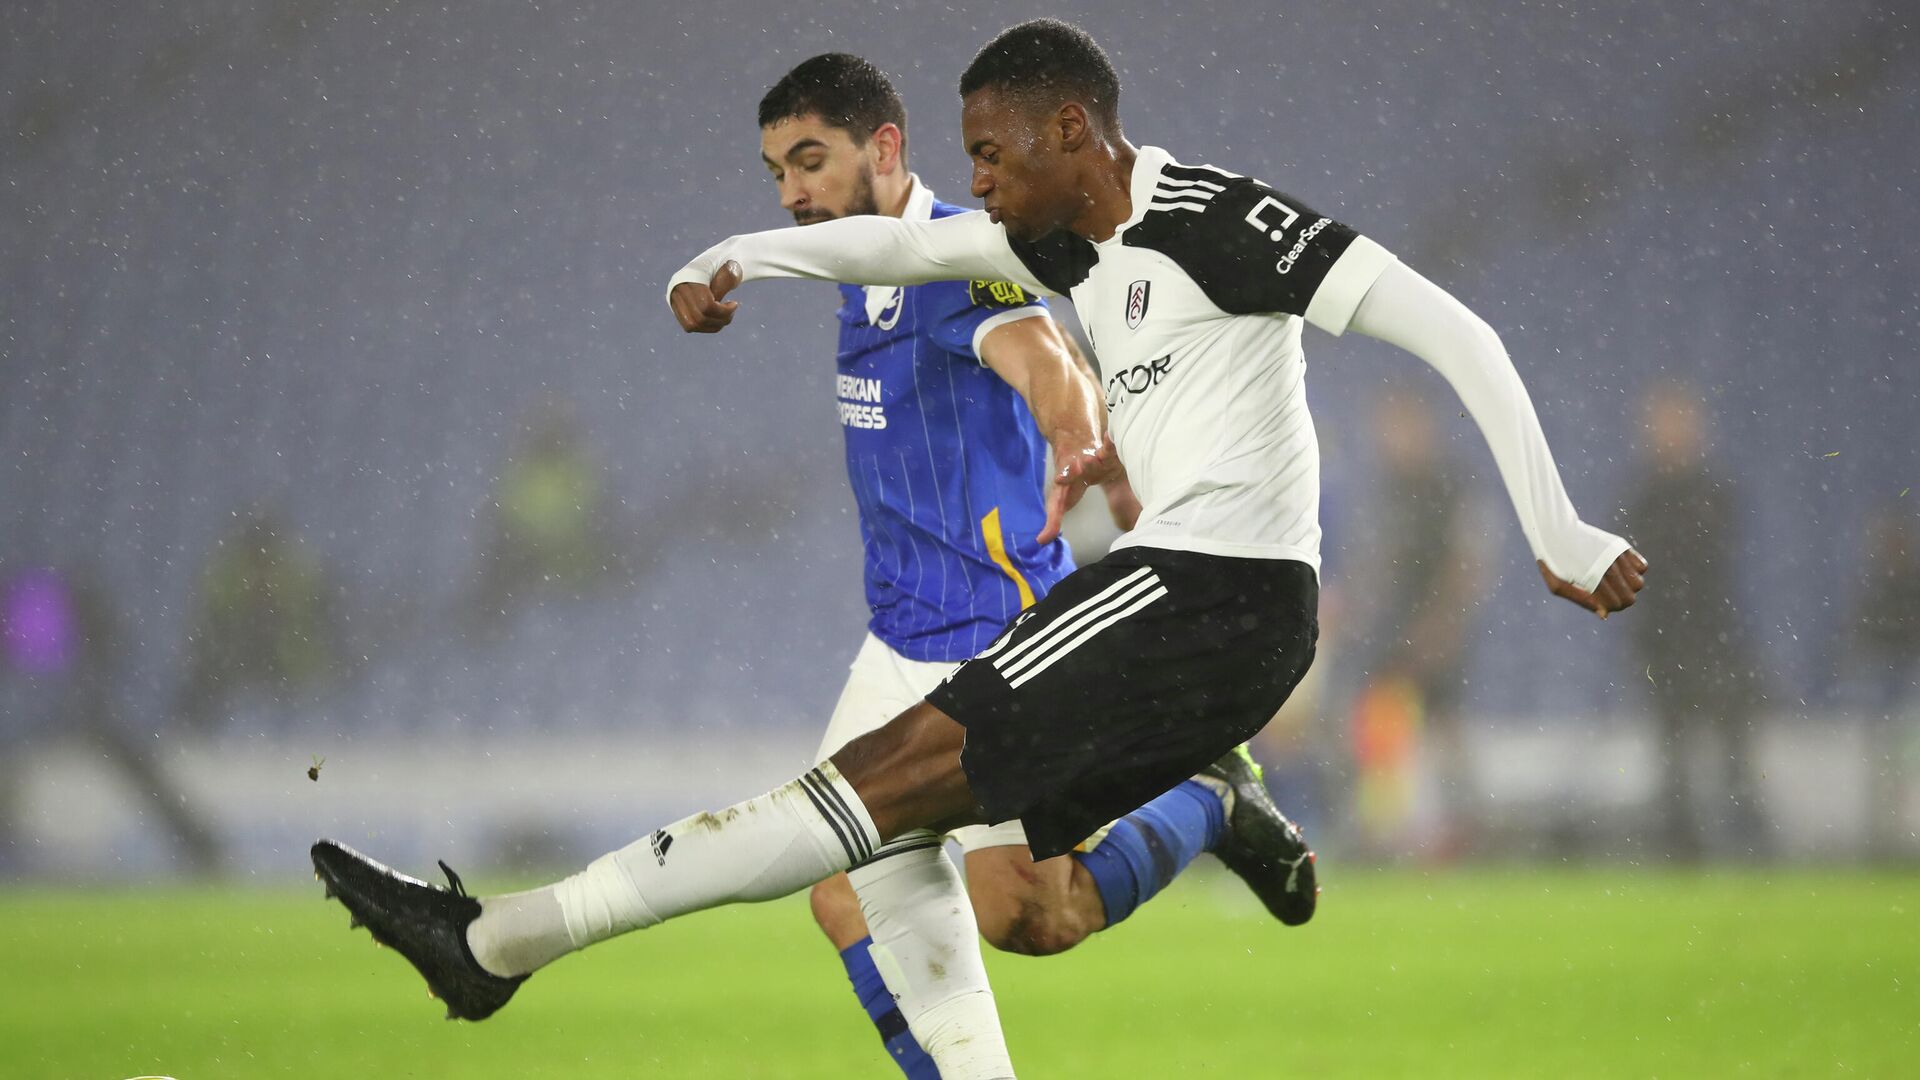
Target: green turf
1462, 973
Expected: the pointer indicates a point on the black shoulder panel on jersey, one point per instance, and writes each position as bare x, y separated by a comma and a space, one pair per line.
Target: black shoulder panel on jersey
1059, 260
1251, 249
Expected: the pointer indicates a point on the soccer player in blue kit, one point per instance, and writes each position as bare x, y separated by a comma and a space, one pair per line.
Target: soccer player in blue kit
949, 394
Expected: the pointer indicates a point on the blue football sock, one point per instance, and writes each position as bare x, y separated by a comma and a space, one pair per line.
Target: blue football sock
874, 997
1148, 848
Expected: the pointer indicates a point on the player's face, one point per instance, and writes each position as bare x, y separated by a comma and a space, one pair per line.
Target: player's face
821, 173
1020, 172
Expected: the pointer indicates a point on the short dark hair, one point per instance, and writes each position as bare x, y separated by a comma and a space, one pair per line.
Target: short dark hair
841, 89
1047, 57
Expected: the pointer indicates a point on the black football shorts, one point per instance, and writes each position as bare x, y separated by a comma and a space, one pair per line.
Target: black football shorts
1132, 675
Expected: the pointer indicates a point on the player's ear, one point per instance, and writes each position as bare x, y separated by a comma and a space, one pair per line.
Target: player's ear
1070, 123
889, 145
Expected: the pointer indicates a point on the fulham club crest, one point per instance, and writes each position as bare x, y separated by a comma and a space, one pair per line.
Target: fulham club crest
1137, 303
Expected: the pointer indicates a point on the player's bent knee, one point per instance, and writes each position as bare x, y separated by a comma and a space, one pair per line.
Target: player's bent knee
1033, 930
1022, 921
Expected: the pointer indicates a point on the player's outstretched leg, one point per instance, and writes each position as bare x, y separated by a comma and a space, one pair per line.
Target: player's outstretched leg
425, 924
910, 779
760, 849
1268, 851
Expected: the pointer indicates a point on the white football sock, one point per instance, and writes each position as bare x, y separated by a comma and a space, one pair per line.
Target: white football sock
779, 843
927, 947
519, 932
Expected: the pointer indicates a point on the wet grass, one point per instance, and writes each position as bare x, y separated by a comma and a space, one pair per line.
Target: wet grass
1503, 972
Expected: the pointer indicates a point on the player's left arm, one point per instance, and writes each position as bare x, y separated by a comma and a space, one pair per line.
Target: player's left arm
1036, 358
1268, 252
1588, 566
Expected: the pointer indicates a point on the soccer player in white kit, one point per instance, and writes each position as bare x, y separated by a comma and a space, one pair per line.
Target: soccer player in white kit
949, 396
1135, 670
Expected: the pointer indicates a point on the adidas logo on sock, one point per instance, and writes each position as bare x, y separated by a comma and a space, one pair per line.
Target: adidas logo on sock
661, 842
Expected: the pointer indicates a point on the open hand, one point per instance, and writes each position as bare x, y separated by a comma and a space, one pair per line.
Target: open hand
1616, 590
699, 307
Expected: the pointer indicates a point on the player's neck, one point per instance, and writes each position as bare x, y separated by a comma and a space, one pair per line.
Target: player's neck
1107, 180
893, 193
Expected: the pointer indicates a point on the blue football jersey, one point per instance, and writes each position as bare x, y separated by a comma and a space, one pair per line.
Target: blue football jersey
947, 464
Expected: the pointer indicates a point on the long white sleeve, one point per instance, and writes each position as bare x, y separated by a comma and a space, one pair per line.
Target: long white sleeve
870, 250
1407, 310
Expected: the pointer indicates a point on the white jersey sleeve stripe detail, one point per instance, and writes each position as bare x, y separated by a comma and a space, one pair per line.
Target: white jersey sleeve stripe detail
1224, 174
1170, 182
1088, 633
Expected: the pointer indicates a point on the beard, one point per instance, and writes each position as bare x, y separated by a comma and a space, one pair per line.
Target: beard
860, 202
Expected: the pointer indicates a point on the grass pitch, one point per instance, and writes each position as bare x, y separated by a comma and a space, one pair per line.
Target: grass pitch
1472, 973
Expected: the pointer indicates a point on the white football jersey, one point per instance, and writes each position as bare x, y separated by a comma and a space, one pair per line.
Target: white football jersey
1195, 306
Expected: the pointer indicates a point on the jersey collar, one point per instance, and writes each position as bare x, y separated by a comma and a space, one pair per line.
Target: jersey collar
919, 200
1147, 163
882, 300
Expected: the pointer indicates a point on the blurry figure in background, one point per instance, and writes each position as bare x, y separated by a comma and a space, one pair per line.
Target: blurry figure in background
57, 632
1885, 657
264, 625
1884, 663
1418, 577
1387, 721
1692, 645
551, 529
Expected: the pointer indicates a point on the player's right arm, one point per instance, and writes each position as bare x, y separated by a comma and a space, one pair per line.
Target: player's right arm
868, 249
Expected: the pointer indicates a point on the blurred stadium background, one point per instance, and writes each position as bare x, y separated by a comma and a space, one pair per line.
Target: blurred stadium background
343, 427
